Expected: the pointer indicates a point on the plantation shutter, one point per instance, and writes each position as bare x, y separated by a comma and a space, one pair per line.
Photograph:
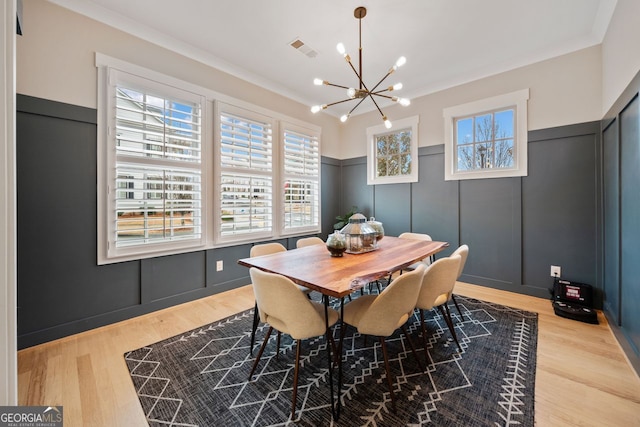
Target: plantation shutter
246, 180
157, 196
301, 179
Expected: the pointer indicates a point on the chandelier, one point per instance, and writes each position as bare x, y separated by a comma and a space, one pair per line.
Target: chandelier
363, 92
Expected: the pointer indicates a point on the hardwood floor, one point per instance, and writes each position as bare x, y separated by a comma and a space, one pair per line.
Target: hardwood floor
582, 379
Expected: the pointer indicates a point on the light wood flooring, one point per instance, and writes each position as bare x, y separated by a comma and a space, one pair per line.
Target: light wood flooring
582, 379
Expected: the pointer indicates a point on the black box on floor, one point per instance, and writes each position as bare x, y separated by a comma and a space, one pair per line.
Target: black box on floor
573, 300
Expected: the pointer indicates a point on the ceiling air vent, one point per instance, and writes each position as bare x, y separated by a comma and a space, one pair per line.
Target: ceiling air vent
302, 47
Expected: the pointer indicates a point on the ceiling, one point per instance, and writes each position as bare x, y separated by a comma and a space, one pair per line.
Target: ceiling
446, 42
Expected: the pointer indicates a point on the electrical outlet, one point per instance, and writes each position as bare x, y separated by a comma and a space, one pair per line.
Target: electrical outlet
556, 271
219, 265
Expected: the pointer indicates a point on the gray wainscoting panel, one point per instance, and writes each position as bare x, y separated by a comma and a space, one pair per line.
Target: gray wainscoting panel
232, 274
330, 192
621, 206
611, 220
354, 188
560, 205
490, 223
393, 207
61, 289
434, 201
58, 279
630, 222
168, 276
515, 227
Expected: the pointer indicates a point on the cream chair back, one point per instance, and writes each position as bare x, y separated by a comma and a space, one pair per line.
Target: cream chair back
392, 307
415, 236
438, 282
266, 249
309, 241
463, 251
284, 307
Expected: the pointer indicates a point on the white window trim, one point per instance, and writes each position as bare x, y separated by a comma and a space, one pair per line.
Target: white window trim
107, 252
249, 114
373, 131
296, 127
210, 162
516, 99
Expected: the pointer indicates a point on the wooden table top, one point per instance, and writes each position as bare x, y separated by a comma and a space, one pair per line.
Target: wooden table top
315, 268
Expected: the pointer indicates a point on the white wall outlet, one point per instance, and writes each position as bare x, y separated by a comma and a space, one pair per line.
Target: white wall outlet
219, 265
556, 271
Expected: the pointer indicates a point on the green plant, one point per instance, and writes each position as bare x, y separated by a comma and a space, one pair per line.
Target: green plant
344, 220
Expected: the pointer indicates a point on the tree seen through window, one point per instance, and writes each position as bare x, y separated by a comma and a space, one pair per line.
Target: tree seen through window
485, 141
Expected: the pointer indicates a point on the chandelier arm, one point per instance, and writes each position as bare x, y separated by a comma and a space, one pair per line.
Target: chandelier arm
357, 75
340, 102
376, 104
380, 91
381, 80
356, 106
384, 96
335, 85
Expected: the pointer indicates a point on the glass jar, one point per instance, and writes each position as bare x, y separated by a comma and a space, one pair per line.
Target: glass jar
359, 235
336, 244
377, 226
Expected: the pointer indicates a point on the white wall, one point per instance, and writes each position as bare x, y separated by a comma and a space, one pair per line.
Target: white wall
56, 61
563, 90
8, 305
620, 51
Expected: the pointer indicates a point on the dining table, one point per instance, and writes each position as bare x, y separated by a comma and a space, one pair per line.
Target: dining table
338, 277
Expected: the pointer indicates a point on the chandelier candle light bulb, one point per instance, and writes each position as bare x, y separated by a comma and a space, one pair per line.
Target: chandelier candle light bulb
363, 92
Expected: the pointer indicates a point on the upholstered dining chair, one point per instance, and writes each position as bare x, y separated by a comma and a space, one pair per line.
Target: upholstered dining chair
284, 308
418, 236
381, 315
260, 250
309, 241
463, 251
437, 284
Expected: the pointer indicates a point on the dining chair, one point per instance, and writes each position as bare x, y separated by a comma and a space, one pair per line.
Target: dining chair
309, 241
418, 236
437, 284
284, 308
381, 315
463, 251
260, 250
414, 236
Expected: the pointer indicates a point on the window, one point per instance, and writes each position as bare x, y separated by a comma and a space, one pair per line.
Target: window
182, 168
392, 155
301, 154
246, 173
154, 187
487, 138
249, 176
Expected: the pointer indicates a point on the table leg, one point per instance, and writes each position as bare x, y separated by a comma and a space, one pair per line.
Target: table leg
340, 358
329, 361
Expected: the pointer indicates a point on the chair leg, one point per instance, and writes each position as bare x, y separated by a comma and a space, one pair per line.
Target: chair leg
413, 348
453, 297
278, 346
424, 337
295, 381
383, 344
256, 320
334, 349
264, 344
447, 318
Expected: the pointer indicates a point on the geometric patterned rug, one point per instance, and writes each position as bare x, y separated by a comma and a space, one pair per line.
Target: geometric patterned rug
199, 378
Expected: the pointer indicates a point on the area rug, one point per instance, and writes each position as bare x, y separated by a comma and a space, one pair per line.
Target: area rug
199, 378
